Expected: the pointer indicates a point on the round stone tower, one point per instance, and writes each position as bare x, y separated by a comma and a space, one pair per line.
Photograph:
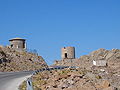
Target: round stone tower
68, 53
17, 43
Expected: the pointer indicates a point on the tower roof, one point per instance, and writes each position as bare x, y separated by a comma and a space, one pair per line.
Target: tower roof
17, 39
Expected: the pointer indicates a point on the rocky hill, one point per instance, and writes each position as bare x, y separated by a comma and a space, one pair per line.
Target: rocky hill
112, 57
85, 77
12, 60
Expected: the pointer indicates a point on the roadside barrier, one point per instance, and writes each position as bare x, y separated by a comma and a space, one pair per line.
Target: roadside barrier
54, 68
29, 84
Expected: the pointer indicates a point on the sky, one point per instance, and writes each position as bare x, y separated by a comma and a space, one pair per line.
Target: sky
49, 25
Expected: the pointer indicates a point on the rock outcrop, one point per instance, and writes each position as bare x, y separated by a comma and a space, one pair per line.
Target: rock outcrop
11, 60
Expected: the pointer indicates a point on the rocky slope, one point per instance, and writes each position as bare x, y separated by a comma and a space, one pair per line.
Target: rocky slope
11, 60
74, 79
112, 57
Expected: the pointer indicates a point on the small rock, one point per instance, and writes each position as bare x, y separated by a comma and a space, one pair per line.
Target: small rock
105, 84
71, 82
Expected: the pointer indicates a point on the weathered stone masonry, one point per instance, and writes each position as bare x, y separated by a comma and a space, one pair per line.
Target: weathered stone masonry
17, 43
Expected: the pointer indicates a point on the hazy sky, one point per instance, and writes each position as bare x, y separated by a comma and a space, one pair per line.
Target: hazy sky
49, 25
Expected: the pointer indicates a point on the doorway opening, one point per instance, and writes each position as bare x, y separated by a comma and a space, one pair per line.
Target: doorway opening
66, 55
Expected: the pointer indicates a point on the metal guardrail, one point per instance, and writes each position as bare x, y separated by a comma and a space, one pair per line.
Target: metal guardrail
54, 68
29, 84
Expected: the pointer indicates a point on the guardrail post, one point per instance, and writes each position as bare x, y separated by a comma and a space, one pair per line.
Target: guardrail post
29, 84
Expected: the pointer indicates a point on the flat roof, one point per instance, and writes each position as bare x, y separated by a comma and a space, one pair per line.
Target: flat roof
17, 39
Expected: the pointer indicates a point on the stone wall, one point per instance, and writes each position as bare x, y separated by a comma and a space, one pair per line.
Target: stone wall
68, 53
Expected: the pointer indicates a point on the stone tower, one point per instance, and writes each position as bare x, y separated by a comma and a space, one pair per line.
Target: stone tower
17, 43
68, 53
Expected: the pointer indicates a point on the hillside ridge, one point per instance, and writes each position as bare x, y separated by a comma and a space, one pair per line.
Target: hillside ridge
12, 60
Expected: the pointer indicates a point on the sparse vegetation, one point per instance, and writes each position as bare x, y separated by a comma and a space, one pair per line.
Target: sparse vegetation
23, 86
98, 77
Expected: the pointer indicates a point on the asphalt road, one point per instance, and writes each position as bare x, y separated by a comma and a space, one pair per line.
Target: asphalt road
11, 80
